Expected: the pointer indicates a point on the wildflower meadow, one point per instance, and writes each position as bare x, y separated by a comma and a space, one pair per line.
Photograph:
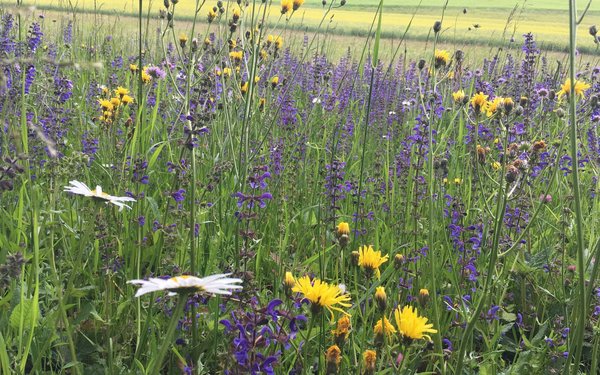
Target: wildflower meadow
210, 191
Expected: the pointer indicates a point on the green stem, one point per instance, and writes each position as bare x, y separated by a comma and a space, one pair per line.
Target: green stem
581, 303
158, 360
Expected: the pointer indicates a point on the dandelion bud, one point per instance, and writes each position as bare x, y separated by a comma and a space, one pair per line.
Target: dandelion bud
370, 358
355, 255
423, 297
560, 113
174, 1
381, 298
464, 10
551, 94
437, 26
399, 260
421, 64
342, 3
324, 2
183, 40
288, 283
593, 30
508, 104
594, 101
219, 4
166, 3
333, 359
523, 101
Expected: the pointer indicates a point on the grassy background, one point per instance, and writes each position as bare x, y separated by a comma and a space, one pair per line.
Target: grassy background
495, 22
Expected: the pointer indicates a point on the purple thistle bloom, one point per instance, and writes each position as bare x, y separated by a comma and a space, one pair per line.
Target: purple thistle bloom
156, 72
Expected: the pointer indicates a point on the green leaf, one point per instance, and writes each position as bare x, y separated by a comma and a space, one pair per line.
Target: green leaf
26, 310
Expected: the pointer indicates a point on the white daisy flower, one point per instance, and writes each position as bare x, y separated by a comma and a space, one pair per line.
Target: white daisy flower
316, 100
215, 284
80, 188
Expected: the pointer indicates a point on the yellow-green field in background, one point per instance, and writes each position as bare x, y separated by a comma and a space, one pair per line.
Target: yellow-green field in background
496, 22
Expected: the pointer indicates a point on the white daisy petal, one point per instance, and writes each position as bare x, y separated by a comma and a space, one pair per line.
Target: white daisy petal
77, 187
213, 284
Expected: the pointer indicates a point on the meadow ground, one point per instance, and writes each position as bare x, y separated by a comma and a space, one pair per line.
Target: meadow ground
214, 197
484, 22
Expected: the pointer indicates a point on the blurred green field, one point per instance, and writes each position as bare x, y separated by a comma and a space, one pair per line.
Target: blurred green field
486, 22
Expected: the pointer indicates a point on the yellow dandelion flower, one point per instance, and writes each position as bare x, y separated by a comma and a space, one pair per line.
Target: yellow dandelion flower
133, 68
286, 6
479, 102
343, 228
278, 42
296, 4
458, 96
236, 13
126, 99
121, 91
371, 260
322, 295
384, 326
106, 105
442, 58
244, 87
496, 166
580, 88
146, 78
274, 81
211, 15
494, 106
411, 325
236, 56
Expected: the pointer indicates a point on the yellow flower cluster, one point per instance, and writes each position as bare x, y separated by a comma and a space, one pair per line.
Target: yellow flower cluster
111, 106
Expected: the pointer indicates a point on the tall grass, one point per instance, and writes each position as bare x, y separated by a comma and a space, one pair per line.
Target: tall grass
245, 148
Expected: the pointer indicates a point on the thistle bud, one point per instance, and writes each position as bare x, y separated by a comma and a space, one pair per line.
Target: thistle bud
437, 26
342, 3
421, 64
560, 113
593, 30
166, 3
551, 94
459, 55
